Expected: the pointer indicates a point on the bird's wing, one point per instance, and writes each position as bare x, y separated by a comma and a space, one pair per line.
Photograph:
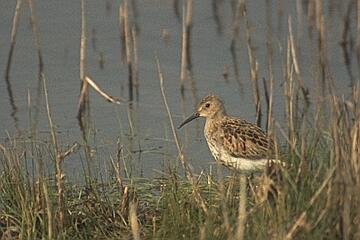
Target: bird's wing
242, 139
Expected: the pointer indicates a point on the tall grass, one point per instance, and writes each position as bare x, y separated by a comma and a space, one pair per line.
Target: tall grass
316, 196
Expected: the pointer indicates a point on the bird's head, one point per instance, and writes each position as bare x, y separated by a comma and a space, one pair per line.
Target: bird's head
209, 107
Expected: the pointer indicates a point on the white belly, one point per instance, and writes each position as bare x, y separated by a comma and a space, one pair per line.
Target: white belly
240, 164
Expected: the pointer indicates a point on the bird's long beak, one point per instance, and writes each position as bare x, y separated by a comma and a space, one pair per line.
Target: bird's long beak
189, 119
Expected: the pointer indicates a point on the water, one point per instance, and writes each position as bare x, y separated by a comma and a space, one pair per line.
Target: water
148, 141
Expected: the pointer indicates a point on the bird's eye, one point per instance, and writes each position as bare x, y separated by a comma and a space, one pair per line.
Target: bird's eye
207, 105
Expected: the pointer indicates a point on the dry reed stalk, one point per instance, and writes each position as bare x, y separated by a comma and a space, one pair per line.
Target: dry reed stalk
121, 21
241, 221
36, 35
130, 115
83, 49
83, 42
153, 225
289, 95
136, 61
117, 167
288, 140
235, 26
109, 98
59, 176
15, 23
135, 229
35, 31
318, 14
294, 62
73, 148
48, 211
268, 87
183, 52
303, 163
181, 155
124, 200
202, 232
185, 64
253, 71
83, 105
268, 91
41, 195
292, 48
188, 22
326, 209
301, 219
128, 46
83, 100
183, 160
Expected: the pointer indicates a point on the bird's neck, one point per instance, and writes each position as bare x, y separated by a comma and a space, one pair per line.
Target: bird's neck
217, 115
213, 120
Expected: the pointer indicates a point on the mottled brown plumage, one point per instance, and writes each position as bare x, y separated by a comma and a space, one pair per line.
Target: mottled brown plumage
234, 142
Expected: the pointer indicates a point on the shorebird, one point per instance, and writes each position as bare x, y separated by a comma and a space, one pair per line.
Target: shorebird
234, 142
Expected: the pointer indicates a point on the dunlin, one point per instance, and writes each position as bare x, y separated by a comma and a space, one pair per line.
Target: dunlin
234, 142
